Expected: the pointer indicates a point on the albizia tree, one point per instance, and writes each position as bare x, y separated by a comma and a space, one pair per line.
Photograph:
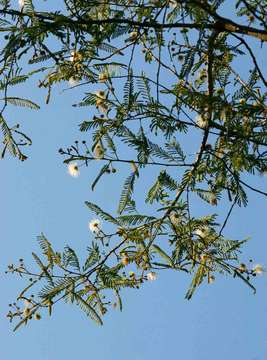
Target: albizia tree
163, 83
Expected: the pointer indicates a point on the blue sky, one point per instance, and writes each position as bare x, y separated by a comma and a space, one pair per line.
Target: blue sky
222, 321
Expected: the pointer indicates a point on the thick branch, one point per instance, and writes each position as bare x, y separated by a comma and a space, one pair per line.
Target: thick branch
221, 24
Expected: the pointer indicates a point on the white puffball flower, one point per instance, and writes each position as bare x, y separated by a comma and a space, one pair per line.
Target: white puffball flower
75, 56
173, 4
175, 218
26, 312
100, 101
211, 279
199, 232
72, 56
133, 35
99, 151
223, 115
202, 232
102, 77
258, 269
73, 81
21, 3
103, 108
101, 94
213, 199
94, 226
73, 169
201, 122
152, 276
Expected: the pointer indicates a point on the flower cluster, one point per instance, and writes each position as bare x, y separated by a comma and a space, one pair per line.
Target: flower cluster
151, 276
94, 226
258, 269
21, 3
73, 169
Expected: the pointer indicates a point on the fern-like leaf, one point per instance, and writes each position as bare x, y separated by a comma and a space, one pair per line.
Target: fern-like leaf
98, 211
126, 192
88, 309
22, 102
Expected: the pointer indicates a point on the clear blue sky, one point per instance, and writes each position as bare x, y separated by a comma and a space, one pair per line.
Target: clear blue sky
222, 321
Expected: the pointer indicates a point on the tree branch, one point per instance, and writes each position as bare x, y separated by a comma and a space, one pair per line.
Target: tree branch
221, 24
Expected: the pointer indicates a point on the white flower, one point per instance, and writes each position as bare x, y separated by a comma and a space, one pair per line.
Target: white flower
175, 218
72, 54
213, 199
211, 279
199, 232
201, 122
21, 3
100, 101
102, 77
202, 232
99, 151
202, 74
75, 56
173, 4
242, 268
94, 226
73, 169
133, 35
37, 316
26, 312
219, 153
103, 108
223, 115
258, 269
151, 276
101, 94
73, 81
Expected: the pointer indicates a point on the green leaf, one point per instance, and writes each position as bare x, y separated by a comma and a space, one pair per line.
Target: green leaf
134, 219
237, 273
9, 142
154, 192
93, 257
199, 275
118, 297
42, 267
46, 247
15, 80
162, 254
22, 102
49, 291
70, 258
23, 321
28, 6
127, 191
88, 309
98, 211
100, 174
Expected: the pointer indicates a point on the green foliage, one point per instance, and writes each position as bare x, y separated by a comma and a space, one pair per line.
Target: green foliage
104, 215
127, 191
22, 102
166, 99
93, 257
89, 310
70, 258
